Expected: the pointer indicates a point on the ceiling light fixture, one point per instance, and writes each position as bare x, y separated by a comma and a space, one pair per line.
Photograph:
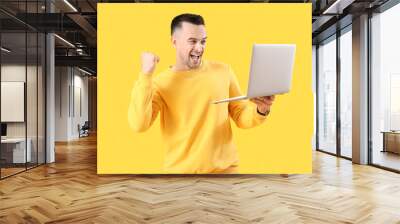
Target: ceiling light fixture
70, 5
64, 40
84, 71
5, 50
337, 7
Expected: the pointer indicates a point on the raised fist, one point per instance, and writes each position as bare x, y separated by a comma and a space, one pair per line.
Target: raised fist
149, 62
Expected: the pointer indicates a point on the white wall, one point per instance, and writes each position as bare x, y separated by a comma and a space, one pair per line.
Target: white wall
71, 93
80, 83
62, 81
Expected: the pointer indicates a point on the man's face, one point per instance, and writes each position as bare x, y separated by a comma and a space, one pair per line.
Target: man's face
190, 42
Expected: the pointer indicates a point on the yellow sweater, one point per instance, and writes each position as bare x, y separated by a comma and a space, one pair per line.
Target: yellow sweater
197, 133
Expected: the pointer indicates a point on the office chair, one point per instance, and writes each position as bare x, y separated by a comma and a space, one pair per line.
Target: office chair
84, 130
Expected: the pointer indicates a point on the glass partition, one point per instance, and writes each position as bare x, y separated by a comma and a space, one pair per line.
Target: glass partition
14, 153
22, 89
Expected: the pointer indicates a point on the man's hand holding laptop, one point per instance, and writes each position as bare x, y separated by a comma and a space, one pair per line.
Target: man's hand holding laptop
264, 103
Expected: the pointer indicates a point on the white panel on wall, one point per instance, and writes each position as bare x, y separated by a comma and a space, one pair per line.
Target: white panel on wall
12, 101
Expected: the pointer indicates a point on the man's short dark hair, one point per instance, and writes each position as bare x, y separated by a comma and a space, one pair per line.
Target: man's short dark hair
186, 17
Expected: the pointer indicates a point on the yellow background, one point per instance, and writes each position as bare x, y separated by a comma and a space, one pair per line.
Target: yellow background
281, 145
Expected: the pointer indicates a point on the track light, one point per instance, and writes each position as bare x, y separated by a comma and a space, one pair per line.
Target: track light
70, 5
84, 71
337, 7
5, 50
64, 40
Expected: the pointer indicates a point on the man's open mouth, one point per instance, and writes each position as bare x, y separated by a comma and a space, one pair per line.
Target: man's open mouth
195, 57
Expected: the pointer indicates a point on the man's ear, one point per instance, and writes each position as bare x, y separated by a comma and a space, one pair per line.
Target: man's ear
173, 40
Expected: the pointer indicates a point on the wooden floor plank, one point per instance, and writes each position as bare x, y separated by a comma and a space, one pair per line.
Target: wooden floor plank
70, 191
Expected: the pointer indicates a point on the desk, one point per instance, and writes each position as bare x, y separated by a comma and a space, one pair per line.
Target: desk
15, 148
391, 141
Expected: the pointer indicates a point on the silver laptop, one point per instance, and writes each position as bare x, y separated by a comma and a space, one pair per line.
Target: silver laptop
270, 71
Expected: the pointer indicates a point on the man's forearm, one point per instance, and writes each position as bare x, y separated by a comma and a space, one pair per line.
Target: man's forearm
141, 111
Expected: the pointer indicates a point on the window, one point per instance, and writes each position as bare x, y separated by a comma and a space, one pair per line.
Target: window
385, 88
346, 93
327, 96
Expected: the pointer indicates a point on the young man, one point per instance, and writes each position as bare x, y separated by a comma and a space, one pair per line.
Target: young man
197, 133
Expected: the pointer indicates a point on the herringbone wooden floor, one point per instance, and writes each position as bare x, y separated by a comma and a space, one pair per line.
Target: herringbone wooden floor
69, 191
